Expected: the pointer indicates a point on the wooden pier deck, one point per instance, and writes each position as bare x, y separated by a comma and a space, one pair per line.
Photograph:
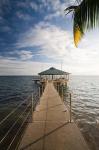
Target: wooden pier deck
50, 129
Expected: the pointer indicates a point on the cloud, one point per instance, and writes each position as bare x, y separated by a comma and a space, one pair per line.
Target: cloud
25, 55
9, 66
52, 15
49, 42
57, 7
56, 43
34, 6
29, 4
19, 67
52, 40
21, 54
23, 16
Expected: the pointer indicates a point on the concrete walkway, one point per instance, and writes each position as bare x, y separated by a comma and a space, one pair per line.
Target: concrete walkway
50, 129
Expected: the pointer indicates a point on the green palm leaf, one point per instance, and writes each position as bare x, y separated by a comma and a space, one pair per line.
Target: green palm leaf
85, 15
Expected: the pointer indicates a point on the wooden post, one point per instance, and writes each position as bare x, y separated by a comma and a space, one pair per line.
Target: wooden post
70, 107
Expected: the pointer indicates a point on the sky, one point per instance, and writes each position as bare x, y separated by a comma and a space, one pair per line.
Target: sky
36, 35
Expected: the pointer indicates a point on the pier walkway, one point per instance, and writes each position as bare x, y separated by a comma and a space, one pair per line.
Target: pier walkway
50, 129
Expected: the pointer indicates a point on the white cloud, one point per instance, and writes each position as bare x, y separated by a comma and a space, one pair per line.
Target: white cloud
52, 40
15, 67
51, 16
22, 54
58, 8
9, 66
56, 43
25, 55
28, 5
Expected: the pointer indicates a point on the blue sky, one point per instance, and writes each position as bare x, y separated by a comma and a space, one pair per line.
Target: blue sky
36, 34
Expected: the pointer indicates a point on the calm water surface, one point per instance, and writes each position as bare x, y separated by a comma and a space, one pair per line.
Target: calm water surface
85, 107
85, 101
15, 86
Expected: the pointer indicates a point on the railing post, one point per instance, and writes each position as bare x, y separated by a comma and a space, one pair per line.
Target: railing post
42, 88
39, 94
58, 88
70, 108
62, 94
32, 107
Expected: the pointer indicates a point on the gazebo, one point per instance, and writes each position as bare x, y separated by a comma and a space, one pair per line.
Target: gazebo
58, 77
54, 74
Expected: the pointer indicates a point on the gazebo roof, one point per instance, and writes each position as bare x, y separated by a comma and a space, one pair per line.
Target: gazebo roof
53, 71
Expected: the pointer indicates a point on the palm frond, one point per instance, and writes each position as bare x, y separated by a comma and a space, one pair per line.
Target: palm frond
86, 16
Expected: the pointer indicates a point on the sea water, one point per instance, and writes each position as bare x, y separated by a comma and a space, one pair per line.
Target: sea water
85, 107
85, 101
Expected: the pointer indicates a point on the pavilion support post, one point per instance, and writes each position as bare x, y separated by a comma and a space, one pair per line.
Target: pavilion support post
52, 77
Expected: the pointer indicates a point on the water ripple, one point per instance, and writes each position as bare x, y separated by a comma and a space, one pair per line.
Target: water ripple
85, 107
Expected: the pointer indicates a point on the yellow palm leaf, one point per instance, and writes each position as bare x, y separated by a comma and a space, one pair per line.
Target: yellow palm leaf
77, 36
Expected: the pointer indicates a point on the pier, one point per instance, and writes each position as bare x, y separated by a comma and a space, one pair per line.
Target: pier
51, 128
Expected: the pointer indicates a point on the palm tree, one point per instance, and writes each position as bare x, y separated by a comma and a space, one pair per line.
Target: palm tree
85, 16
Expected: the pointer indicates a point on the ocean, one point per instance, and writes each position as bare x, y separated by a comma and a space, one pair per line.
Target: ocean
85, 101
85, 107
15, 99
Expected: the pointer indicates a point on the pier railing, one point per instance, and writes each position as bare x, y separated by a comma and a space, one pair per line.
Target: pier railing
66, 97
12, 126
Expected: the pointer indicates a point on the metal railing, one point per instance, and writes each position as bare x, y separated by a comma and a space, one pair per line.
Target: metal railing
64, 96
12, 112
23, 111
12, 97
14, 124
18, 131
69, 104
